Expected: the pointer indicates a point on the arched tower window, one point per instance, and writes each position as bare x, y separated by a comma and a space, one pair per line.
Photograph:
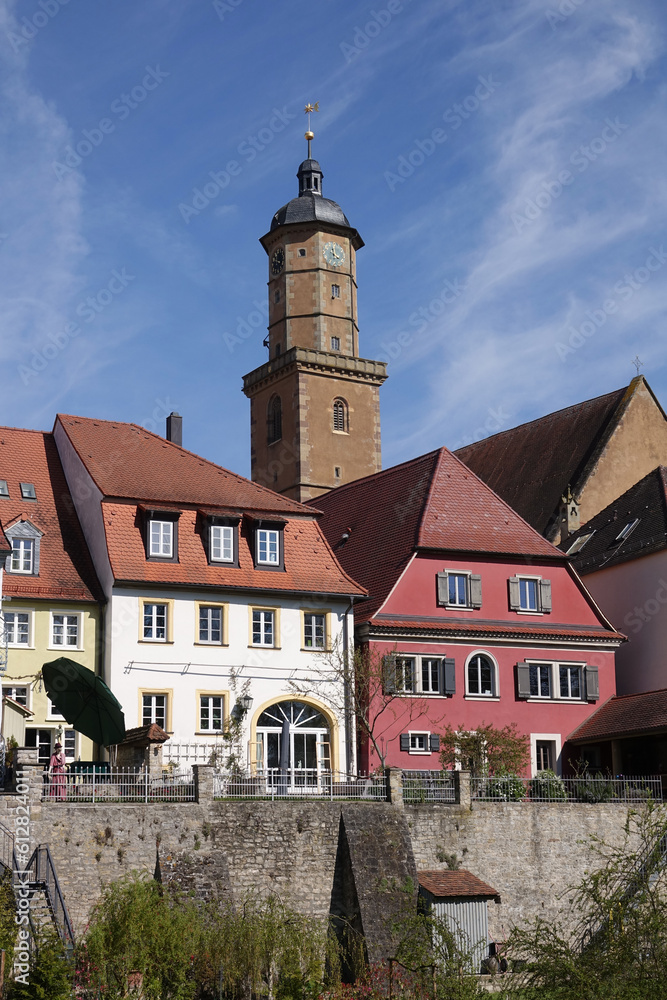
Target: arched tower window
275, 419
340, 415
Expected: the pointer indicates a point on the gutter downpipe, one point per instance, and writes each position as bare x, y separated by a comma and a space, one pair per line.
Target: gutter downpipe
348, 659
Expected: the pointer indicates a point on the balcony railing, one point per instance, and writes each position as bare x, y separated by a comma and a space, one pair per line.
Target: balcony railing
120, 785
546, 787
300, 783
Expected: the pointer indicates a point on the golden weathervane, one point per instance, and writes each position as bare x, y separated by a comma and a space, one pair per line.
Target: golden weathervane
308, 110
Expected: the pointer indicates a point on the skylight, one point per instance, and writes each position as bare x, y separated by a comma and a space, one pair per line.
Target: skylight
4, 489
622, 535
28, 491
578, 543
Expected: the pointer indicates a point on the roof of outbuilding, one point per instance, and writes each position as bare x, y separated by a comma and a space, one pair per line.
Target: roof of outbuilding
531, 466
455, 882
644, 503
65, 568
623, 716
430, 502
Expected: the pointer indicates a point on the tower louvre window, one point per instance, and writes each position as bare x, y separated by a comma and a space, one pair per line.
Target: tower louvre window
340, 415
302, 251
275, 421
335, 291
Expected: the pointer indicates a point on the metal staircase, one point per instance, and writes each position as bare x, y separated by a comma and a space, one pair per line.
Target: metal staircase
37, 882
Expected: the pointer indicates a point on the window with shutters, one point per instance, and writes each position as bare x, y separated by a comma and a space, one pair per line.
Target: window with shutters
481, 676
547, 679
530, 594
340, 416
419, 743
419, 675
459, 589
275, 420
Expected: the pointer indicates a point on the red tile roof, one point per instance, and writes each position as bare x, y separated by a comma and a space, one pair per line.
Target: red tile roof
65, 569
531, 466
430, 502
127, 461
457, 882
646, 503
479, 629
625, 715
310, 566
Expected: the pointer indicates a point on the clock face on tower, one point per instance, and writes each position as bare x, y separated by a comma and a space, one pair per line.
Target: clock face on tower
277, 261
333, 254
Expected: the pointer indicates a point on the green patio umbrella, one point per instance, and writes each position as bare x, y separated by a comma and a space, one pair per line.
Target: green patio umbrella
84, 700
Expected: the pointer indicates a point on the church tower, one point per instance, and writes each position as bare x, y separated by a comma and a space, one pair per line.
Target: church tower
315, 404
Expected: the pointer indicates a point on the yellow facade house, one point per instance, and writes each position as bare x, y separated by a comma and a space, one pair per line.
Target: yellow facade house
51, 600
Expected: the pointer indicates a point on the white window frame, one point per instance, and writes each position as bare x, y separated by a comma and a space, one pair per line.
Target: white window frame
161, 547
536, 581
265, 538
221, 537
65, 625
429, 691
417, 689
221, 612
210, 708
69, 737
418, 735
153, 627
570, 666
466, 586
554, 676
8, 691
263, 618
495, 679
11, 642
320, 647
151, 696
52, 712
554, 738
547, 669
20, 548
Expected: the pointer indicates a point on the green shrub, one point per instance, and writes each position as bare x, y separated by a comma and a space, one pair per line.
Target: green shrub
547, 785
591, 788
505, 788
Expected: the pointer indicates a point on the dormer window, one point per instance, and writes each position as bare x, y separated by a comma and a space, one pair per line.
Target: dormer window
162, 535
28, 491
25, 541
222, 543
22, 555
269, 546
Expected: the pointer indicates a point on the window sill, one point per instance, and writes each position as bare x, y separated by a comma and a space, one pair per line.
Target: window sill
63, 649
482, 697
420, 753
533, 700
20, 645
260, 645
459, 607
217, 645
209, 732
524, 611
158, 642
316, 649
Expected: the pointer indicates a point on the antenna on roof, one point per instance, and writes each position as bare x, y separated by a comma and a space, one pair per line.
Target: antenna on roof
637, 362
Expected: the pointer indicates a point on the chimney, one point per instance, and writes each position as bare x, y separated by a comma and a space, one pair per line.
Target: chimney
175, 428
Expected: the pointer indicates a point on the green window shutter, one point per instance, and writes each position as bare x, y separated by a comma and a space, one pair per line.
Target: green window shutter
434, 743
523, 680
475, 591
592, 683
389, 674
405, 742
515, 596
448, 685
443, 588
545, 596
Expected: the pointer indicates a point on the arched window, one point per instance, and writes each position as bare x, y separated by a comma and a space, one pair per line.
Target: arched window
481, 677
340, 415
275, 419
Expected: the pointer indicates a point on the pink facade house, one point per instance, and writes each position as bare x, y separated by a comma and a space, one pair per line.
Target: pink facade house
479, 618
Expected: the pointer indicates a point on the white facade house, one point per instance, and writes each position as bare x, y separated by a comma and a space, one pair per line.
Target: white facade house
223, 600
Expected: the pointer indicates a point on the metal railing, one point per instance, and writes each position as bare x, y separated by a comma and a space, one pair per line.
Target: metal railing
428, 786
300, 783
7, 848
40, 875
186, 754
547, 787
121, 785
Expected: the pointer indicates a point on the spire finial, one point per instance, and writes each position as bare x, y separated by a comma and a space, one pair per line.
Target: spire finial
308, 110
637, 361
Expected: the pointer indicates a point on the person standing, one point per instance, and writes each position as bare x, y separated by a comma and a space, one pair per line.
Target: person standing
57, 774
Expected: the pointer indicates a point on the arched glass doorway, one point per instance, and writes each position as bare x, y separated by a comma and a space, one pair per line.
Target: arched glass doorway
294, 744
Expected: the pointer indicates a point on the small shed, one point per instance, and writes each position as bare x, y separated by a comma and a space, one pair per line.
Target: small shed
14, 717
142, 748
459, 898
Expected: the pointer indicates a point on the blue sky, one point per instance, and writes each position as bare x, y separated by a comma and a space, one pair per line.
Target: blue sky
504, 161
